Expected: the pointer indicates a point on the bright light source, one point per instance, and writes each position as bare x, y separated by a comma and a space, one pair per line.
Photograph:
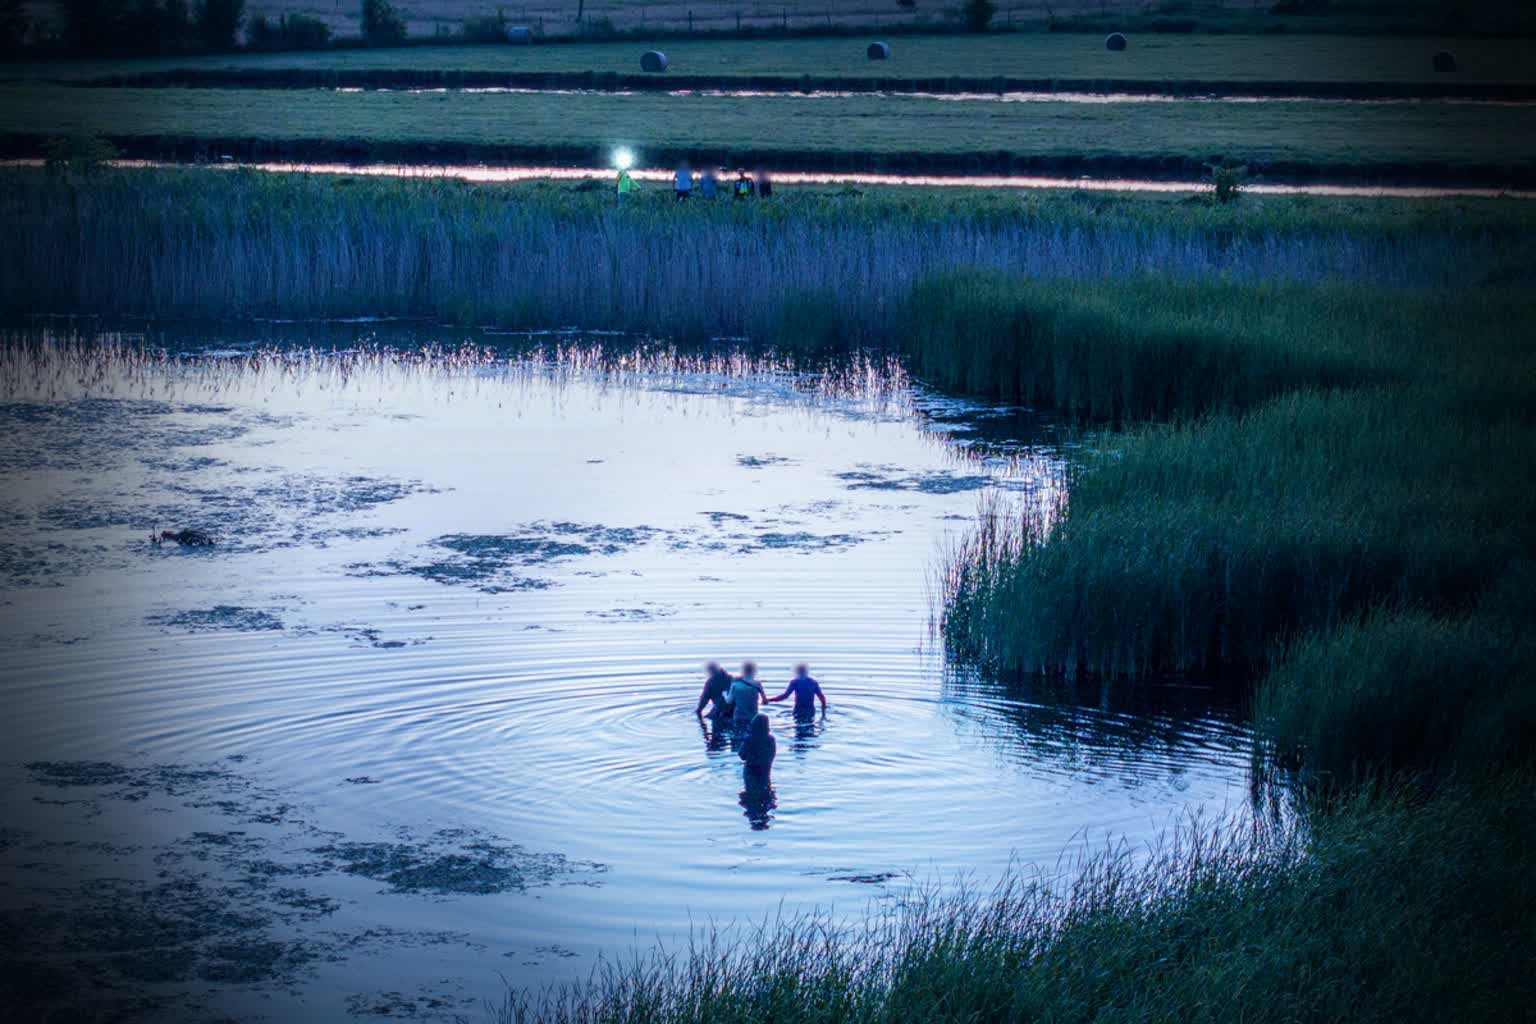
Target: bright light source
623, 159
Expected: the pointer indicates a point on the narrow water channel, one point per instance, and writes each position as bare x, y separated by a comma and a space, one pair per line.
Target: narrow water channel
490, 174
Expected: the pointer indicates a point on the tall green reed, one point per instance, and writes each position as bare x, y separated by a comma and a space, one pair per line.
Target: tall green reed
217, 243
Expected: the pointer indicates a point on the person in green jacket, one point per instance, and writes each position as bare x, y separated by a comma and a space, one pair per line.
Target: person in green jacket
626, 184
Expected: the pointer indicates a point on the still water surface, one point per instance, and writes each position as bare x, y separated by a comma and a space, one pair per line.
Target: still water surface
425, 712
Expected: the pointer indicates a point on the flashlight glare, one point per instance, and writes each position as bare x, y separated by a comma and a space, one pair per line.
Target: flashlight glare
623, 159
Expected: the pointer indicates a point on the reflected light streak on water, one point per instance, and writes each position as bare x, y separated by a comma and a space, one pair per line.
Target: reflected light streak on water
1015, 96
488, 174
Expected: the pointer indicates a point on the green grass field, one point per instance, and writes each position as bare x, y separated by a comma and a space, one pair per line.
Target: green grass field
1152, 59
789, 131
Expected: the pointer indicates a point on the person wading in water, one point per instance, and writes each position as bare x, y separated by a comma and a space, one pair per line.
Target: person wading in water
716, 693
807, 692
745, 693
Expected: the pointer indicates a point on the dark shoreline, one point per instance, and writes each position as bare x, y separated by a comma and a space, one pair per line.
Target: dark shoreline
413, 78
212, 149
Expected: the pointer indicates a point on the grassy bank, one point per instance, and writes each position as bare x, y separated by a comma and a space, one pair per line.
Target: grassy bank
1397, 142
234, 243
1345, 474
1338, 502
1154, 60
1391, 912
1275, 514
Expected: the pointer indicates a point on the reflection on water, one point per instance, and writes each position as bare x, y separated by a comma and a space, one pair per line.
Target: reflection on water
1006, 96
483, 173
424, 714
758, 803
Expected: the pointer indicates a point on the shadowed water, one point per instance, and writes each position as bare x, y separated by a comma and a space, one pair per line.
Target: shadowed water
422, 718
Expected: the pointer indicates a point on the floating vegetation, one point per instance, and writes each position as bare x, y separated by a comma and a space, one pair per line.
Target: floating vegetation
495, 563
801, 541
224, 616
646, 614
450, 862
762, 461
894, 478
224, 902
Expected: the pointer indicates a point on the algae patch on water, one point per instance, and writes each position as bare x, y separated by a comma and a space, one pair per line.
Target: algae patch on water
451, 862
500, 562
223, 616
164, 884
894, 478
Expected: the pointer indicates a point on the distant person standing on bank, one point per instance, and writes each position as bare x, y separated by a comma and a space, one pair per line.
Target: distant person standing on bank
745, 187
709, 185
807, 692
745, 693
625, 184
682, 182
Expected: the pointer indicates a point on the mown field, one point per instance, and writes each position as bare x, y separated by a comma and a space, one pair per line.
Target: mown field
1153, 59
1494, 144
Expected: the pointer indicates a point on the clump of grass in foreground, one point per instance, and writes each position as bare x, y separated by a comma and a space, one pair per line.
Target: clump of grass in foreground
1390, 912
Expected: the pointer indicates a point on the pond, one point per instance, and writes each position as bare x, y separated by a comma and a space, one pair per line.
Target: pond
422, 718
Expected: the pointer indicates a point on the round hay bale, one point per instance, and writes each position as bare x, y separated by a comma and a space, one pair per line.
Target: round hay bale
1114, 41
522, 35
879, 51
653, 60
1445, 61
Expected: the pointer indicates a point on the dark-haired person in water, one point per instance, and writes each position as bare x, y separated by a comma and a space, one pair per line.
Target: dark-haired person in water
745, 693
717, 692
807, 692
757, 754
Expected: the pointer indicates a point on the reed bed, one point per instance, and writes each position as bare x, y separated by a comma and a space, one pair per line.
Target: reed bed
205, 243
1140, 350
1342, 497
1198, 549
1217, 924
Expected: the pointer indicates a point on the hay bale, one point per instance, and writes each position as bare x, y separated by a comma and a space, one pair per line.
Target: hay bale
879, 51
522, 35
1114, 41
653, 60
1445, 61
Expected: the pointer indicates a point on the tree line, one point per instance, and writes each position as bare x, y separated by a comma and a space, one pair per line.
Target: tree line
115, 28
